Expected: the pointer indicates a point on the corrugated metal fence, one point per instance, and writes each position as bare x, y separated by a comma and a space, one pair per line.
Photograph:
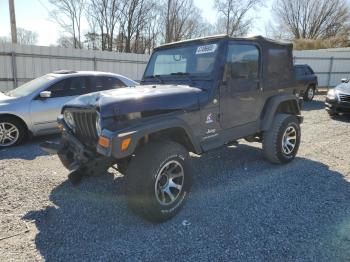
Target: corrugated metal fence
330, 65
20, 63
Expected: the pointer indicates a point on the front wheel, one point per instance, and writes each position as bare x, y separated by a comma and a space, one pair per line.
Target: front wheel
158, 180
12, 132
281, 142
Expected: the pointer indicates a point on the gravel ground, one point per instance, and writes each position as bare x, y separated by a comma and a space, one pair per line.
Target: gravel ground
242, 208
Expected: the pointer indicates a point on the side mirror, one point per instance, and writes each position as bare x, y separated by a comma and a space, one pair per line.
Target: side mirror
45, 94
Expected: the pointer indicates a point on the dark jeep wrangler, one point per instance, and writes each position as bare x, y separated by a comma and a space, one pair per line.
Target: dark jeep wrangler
195, 96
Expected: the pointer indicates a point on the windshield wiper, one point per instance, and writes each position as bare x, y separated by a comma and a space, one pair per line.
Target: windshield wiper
180, 74
187, 75
157, 77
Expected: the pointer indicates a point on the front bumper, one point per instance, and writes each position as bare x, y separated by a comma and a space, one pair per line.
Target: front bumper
335, 106
72, 153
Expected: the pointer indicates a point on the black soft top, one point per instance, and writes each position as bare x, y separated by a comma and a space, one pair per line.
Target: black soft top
263, 41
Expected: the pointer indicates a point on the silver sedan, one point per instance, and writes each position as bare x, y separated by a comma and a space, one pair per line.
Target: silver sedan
32, 108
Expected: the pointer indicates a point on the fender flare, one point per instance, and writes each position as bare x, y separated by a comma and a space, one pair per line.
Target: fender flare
137, 132
271, 107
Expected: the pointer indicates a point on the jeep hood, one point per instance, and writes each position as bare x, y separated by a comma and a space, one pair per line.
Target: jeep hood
140, 99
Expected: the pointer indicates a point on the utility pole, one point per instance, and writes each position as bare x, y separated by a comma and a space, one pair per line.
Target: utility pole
13, 21
167, 33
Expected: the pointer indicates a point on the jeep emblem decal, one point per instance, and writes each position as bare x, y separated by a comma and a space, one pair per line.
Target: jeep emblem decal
211, 131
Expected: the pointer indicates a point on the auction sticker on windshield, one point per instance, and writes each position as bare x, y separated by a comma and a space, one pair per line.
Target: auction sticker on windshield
205, 49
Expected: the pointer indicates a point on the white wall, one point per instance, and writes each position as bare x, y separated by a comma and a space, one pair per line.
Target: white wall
35, 61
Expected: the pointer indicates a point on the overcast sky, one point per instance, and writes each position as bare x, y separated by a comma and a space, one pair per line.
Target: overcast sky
34, 15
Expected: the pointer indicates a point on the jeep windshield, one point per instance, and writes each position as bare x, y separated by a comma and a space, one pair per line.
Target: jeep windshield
190, 60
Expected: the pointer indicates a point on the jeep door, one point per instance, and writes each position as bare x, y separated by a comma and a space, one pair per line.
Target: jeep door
44, 111
241, 99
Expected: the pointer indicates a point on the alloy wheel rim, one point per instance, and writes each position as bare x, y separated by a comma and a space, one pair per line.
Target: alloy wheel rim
310, 93
289, 140
9, 134
169, 182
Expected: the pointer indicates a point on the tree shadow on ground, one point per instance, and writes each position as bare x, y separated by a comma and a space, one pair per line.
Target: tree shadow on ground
29, 150
241, 208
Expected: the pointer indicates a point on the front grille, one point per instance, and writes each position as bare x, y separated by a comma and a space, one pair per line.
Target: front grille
344, 98
85, 127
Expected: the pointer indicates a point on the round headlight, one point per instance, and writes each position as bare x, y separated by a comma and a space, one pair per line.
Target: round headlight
98, 124
68, 118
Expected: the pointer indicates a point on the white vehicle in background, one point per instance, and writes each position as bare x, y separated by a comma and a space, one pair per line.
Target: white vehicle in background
32, 108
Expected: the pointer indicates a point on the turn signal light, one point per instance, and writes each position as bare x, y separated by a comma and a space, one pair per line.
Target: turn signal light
125, 144
103, 141
60, 127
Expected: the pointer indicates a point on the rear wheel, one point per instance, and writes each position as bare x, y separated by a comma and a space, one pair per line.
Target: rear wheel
158, 180
12, 132
281, 142
309, 94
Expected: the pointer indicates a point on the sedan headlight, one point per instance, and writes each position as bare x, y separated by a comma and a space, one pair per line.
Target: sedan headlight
98, 124
331, 95
69, 119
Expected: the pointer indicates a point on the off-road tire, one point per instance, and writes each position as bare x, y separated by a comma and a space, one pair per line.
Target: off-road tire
306, 96
141, 177
22, 130
273, 139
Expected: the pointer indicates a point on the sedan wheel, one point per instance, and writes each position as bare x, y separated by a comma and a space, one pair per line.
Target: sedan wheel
9, 134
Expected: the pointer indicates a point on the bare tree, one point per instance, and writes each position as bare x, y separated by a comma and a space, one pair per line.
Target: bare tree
182, 20
92, 41
137, 25
5, 39
66, 42
152, 31
105, 14
68, 14
312, 19
136, 15
26, 37
233, 16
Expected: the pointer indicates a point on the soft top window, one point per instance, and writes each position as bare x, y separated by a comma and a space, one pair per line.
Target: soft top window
279, 65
